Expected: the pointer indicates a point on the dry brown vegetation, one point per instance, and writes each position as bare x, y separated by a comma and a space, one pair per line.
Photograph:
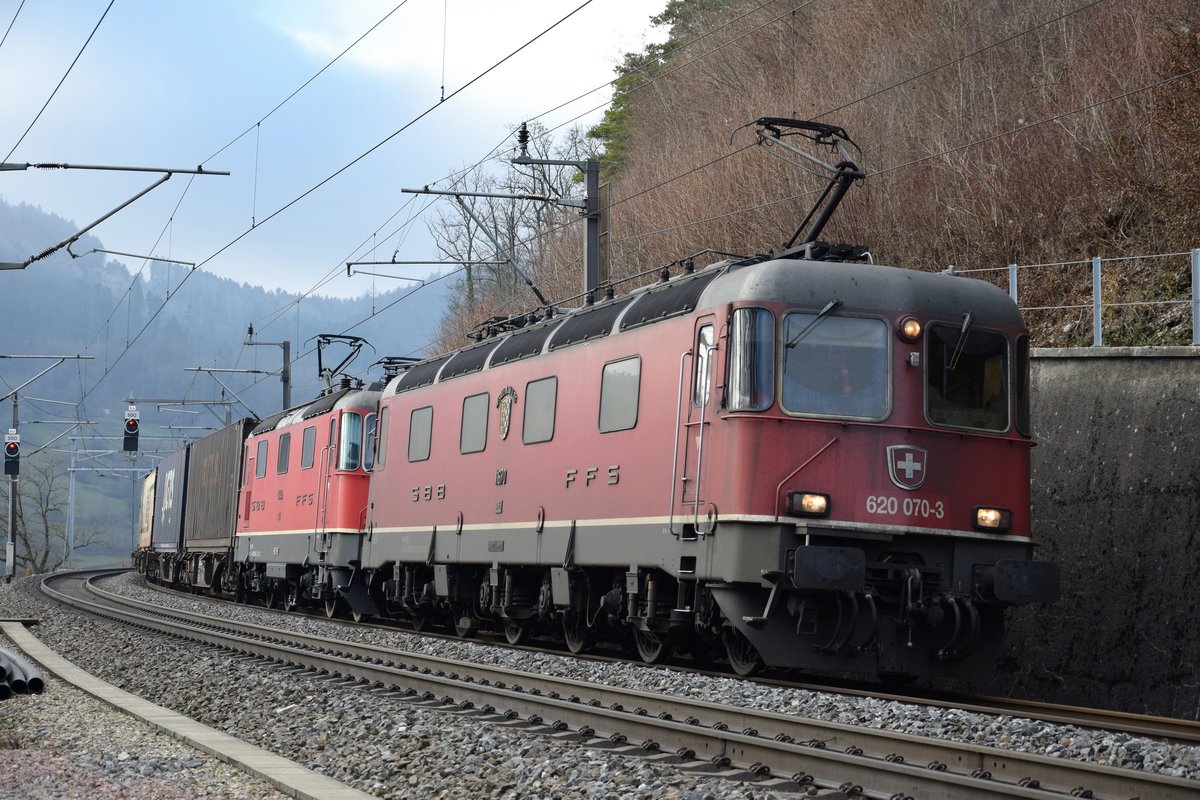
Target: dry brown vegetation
992, 133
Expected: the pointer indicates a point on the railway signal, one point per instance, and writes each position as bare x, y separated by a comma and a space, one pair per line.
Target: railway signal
12, 453
132, 427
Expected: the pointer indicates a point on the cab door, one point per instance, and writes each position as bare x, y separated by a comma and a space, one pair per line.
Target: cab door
699, 403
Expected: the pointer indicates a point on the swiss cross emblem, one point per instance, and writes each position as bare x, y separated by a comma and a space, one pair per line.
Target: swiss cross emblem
907, 465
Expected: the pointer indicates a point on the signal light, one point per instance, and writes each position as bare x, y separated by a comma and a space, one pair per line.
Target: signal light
12, 455
131, 435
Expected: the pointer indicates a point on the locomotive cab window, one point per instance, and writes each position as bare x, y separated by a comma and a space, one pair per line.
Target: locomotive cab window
420, 432
619, 388
472, 436
260, 463
835, 366
704, 356
350, 446
308, 447
285, 446
538, 422
381, 448
1022, 382
369, 443
966, 378
751, 360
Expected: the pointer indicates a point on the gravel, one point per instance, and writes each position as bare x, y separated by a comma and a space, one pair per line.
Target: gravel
385, 746
373, 741
65, 743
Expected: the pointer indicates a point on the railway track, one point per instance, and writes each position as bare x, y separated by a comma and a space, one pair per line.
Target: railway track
784, 752
1177, 731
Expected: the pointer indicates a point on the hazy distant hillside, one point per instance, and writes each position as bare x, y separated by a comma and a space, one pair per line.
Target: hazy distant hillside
60, 306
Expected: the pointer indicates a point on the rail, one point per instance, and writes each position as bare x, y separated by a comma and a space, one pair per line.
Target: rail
813, 752
1098, 305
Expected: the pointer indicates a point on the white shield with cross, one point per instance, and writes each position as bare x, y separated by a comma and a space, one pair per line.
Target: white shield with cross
907, 465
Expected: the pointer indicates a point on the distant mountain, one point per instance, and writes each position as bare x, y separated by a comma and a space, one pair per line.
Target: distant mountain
93, 306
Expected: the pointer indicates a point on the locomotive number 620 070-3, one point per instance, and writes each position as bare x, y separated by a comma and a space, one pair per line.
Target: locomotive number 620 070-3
887, 505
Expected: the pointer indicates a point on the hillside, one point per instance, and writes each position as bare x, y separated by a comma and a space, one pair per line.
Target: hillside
991, 133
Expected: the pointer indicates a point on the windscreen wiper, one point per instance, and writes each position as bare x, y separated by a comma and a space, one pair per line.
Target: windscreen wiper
822, 314
962, 341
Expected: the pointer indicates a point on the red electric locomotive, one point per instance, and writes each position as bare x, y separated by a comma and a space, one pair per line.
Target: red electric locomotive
303, 498
814, 463
822, 465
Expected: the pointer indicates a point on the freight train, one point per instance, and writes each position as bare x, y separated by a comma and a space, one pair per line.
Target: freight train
794, 460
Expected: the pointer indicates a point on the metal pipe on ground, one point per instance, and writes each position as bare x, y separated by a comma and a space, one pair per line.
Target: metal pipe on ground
20, 677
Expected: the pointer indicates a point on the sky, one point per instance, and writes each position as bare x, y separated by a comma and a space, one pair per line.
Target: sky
171, 84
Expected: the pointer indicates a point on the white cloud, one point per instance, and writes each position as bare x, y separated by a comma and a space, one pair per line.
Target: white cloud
435, 44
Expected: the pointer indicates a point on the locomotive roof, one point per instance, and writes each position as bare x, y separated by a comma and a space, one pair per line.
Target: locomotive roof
353, 397
798, 282
864, 287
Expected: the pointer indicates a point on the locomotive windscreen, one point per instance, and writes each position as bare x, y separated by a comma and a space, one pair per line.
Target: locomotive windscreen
839, 368
967, 378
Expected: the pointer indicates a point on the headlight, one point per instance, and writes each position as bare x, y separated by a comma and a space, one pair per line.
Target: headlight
910, 329
808, 504
993, 519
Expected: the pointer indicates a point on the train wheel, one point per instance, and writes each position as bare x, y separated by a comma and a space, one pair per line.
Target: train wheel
291, 597
575, 632
271, 597
420, 621
652, 648
331, 605
743, 656
517, 631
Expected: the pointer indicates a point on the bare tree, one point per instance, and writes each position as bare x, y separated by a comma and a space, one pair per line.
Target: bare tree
535, 234
41, 516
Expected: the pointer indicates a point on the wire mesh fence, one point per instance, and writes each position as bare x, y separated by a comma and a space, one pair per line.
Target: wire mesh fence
1150, 300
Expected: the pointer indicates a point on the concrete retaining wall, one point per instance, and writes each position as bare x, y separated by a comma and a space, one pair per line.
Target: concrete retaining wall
1116, 502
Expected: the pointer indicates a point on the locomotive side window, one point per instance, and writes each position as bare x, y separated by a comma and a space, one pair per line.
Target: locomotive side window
619, 387
1023, 387
308, 447
260, 465
350, 448
703, 376
967, 377
540, 399
473, 434
751, 360
420, 431
281, 458
835, 366
381, 449
369, 443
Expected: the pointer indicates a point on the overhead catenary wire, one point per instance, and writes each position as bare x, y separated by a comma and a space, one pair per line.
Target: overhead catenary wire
846, 105
719, 158
857, 100
61, 80
12, 22
187, 187
335, 271
334, 175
